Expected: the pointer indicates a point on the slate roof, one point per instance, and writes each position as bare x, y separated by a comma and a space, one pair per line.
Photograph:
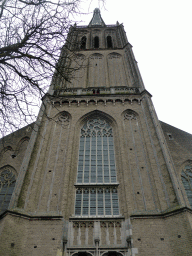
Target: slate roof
97, 19
183, 138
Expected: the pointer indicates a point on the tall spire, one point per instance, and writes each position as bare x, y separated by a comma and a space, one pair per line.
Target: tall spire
97, 20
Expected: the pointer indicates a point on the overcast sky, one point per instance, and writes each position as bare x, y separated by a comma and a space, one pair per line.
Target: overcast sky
161, 35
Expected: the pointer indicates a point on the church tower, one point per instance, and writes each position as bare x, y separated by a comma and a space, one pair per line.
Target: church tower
101, 175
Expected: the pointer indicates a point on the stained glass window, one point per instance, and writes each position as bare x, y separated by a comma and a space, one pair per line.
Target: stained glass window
96, 168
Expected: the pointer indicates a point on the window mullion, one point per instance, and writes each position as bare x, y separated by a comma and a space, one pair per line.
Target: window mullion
89, 202
109, 160
84, 160
82, 202
96, 203
3, 201
102, 156
118, 202
96, 159
104, 210
99, 151
111, 190
90, 160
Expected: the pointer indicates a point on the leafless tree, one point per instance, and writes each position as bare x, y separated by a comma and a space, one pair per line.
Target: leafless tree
32, 33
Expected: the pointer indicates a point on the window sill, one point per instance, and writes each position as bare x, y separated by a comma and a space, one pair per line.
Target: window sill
88, 218
96, 184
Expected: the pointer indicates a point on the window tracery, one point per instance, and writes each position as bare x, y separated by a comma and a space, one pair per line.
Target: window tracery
186, 177
130, 116
96, 192
7, 184
63, 119
96, 153
97, 201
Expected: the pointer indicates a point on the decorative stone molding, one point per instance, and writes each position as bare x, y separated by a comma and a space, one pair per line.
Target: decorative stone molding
128, 239
63, 119
80, 224
130, 116
78, 101
7, 183
102, 90
114, 55
100, 187
97, 240
7, 176
116, 224
96, 56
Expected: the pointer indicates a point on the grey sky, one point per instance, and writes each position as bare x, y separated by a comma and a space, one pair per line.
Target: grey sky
161, 35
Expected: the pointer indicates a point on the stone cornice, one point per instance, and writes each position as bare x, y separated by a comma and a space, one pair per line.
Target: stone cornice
145, 92
89, 98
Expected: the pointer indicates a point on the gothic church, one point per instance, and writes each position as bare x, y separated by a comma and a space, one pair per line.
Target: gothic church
102, 176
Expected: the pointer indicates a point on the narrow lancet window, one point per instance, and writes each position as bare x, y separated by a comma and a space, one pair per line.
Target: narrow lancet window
96, 171
83, 43
96, 42
109, 42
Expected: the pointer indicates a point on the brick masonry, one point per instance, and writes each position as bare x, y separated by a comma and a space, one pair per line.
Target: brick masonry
155, 214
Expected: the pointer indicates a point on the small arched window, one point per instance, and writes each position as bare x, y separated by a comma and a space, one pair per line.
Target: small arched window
7, 184
83, 43
96, 42
186, 177
109, 42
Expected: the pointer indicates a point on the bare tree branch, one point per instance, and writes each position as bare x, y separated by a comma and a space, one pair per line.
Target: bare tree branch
32, 33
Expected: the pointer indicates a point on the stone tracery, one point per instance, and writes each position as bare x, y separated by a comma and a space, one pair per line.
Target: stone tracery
186, 177
7, 184
96, 167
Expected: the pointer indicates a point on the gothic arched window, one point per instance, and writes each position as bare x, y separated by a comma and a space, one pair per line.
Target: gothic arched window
186, 177
7, 184
109, 42
96, 187
96, 42
83, 43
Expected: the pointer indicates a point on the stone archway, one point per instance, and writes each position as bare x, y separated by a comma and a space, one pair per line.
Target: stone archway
82, 253
112, 253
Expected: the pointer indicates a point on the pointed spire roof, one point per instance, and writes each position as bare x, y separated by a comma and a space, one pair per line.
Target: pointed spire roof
97, 20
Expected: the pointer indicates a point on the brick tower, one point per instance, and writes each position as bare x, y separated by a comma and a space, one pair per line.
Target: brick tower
102, 175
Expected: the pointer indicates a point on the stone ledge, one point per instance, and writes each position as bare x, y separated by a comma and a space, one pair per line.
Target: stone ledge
161, 215
31, 217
